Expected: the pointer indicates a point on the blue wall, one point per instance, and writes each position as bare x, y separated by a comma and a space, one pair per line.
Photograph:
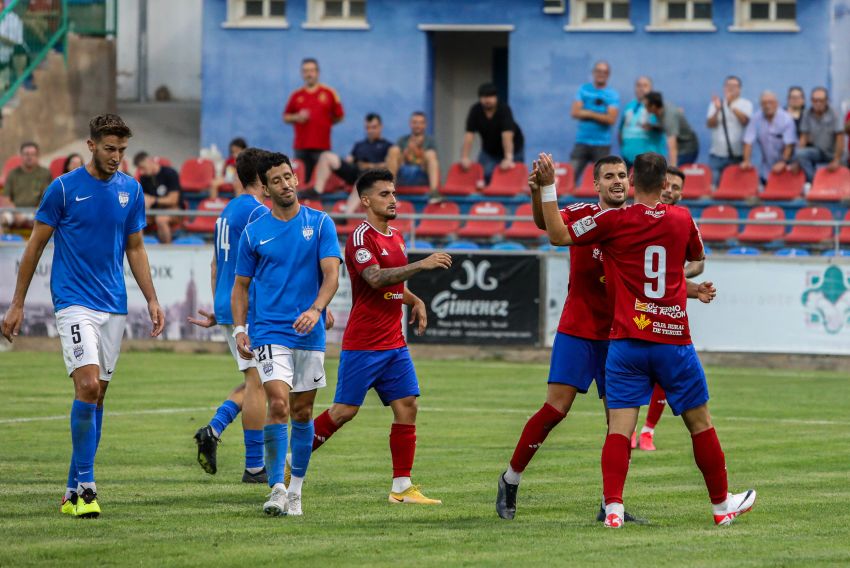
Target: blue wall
249, 73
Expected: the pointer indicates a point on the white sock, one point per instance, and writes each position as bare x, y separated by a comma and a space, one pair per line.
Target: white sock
295, 484
512, 476
214, 431
68, 491
83, 486
616, 508
253, 470
720, 508
279, 487
400, 484
646, 429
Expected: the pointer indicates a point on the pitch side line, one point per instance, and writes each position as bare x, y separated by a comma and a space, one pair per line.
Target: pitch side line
797, 421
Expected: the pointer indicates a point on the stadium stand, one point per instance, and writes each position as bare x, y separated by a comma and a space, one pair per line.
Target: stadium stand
508, 245
412, 189
743, 251
196, 175
299, 169
844, 233
811, 234
439, 227
697, 181
785, 186
737, 184
462, 245
403, 225
57, 165
565, 178
763, 233
586, 187
508, 183
719, 233
206, 224
830, 186
13, 162
344, 227
188, 240
481, 229
523, 229
460, 182
791, 252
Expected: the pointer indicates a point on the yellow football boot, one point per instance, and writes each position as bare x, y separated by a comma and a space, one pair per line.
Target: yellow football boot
69, 506
87, 507
414, 496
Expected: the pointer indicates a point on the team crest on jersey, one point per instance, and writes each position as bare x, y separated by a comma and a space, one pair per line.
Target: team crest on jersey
123, 198
584, 225
268, 368
78, 352
362, 255
642, 321
307, 231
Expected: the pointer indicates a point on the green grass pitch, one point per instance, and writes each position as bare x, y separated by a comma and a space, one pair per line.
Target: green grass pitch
785, 433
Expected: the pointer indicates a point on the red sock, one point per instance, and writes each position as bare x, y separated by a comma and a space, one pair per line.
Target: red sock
656, 407
323, 428
615, 467
402, 448
535, 431
712, 463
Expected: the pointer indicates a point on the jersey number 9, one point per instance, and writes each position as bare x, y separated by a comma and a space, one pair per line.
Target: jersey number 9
655, 256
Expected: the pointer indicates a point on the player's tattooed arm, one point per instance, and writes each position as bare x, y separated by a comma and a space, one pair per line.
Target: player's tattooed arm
41, 234
694, 268
378, 277
556, 229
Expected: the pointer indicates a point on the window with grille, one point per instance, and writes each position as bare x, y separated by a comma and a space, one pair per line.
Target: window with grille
333, 13
682, 15
251, 13
768, 15
600, 15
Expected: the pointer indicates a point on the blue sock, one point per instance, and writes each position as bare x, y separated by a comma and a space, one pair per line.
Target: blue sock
253, 448
72, 474
275, 439
98, 420
225, 414
84, 439
72, 470
302, 447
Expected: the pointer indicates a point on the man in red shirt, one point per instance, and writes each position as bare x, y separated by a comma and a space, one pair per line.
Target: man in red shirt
312, 109
374, 352
645, 248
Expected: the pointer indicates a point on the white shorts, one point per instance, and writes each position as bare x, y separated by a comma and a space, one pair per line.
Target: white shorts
243, 364
302, 370
90, 337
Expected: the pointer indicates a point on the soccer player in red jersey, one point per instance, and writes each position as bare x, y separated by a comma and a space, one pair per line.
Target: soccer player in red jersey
374, 352
645, 248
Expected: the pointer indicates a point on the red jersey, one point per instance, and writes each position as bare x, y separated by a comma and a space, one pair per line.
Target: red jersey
375, 320
645, 251
324, 107
587, 310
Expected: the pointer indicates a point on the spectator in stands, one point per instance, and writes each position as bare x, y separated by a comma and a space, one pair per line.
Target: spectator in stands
727, 119
795, 106
161, 185
595, 106
313, 110
635, 135
773, 129
413, 158
821, 136
25, 184
11, 36
682, 143
228, 169
502, 142
366, 154
72, 162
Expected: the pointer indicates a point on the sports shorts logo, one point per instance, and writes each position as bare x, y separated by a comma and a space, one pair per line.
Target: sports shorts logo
123, 198
583, 226
362, 255
268, 368
642, 321
78, 352
307, 231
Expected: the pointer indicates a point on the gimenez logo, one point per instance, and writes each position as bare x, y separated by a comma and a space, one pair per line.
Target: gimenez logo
827, 300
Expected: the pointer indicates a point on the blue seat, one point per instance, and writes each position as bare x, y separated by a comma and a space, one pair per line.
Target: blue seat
744, 251
707, 250
189, 241
831, 252
549, 247
792, 252
462, 245
422, 245
151, 240
508, 245
11, 238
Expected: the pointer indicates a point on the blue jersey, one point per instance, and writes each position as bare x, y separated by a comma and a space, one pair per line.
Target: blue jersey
596, 100
91, 220
282, 258
228, 228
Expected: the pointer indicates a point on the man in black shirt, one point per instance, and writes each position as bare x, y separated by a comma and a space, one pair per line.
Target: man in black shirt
161, 185
502, 142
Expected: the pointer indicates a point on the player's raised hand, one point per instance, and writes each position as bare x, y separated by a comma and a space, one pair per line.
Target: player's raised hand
419, 314
243, 346
532, 178
157, 318
208, 321
307, 320
329, 319
12, 322
706, 292
545, 170
436, 260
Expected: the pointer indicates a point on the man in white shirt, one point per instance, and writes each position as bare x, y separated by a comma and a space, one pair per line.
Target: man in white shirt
11, 35
727, 119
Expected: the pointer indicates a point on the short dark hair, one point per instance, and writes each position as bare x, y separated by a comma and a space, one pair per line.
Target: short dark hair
368, 178
29, 144
239, 142
734, 78
607, 160
820, 88
312, 60
654, 98
374, 116
419, 113
793, 88
674, 171
139, 158
68, 161
488, 90
268, 161
246, 165
108, 125
650, 171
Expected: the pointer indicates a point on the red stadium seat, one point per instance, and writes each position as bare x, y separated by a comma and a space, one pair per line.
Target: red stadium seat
763, 233
586, 187
718, 233
345, 226
476, 228
206, 224
10, 165
565, 178
312, 204
412, 189
736, 183
523, 229
460, 182
697, 181
507, 183
196, 174
299, 169
786, 186
403, 208
57, 166
844, 233
830, 186
163, 161
439, 227
5, 201
803, 234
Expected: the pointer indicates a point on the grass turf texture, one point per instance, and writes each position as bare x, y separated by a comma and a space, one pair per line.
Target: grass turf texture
784, 433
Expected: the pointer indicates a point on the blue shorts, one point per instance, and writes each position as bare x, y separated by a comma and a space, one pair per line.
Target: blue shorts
634, 367
578, 362
389, 372
411, 174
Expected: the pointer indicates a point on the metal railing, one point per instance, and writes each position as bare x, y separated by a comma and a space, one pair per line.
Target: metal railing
28, 31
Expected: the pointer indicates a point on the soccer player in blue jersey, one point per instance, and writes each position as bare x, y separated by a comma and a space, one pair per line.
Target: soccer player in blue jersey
292, 257
248, 396
95, 215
